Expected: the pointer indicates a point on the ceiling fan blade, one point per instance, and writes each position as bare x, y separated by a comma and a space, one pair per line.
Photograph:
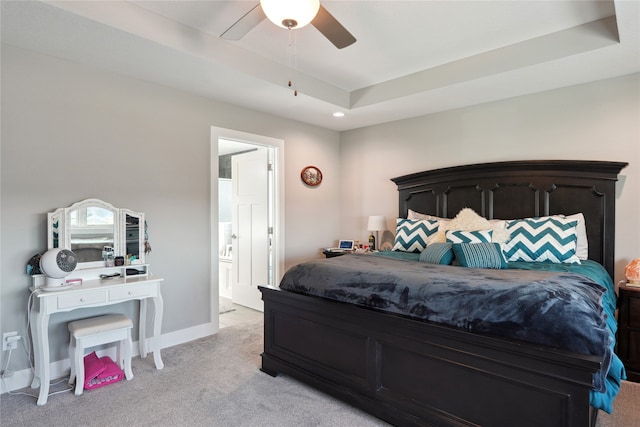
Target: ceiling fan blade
332, 29
245, 24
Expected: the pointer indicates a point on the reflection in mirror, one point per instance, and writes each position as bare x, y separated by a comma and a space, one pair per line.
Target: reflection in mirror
132, 237
91, 228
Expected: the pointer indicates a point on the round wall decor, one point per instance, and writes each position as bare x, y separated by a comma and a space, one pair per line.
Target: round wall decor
311, 176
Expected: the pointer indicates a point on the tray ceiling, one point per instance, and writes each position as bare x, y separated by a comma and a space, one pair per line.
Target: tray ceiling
411, 57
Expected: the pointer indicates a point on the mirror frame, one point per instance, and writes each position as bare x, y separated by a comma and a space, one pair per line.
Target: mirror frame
59, 229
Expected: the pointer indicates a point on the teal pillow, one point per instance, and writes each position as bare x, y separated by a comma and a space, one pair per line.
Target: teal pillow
411, 235
463, 236
437, 253
542, 239
480, 255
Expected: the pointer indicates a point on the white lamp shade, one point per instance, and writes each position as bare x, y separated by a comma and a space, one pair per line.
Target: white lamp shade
300, 11
377, 223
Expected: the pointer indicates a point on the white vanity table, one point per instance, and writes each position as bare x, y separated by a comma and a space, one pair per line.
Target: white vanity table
92, 290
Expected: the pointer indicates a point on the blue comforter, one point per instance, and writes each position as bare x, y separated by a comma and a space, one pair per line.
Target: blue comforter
553, 305
602, 399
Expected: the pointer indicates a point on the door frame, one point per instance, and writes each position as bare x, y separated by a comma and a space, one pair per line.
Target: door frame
218, 133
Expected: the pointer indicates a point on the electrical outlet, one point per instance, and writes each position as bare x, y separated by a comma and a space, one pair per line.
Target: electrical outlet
10, 340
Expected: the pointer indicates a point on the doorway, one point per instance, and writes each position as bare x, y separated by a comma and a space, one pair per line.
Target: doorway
244, 256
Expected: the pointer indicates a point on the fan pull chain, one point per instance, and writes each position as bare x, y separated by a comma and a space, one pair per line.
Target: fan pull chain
292, 48
289, 56
295, 63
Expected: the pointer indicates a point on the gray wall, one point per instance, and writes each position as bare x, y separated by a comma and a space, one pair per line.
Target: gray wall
71, 132
595, 121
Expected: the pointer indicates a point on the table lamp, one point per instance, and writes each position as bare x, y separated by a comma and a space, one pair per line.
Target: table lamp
376, 223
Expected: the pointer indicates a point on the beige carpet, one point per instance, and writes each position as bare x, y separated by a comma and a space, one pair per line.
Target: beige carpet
626, 408
213, 382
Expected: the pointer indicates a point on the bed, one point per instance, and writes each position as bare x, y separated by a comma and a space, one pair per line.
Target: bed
411, 370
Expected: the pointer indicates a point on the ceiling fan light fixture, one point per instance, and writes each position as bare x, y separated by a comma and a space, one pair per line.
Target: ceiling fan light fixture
290, 13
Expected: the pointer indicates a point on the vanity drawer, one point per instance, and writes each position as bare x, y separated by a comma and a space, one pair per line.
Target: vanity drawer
129, 292
82, 299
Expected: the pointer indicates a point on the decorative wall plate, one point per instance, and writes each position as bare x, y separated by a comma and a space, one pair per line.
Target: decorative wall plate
311, 176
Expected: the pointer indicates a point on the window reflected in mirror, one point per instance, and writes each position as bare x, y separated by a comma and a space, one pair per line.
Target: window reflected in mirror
91, 229
91, 216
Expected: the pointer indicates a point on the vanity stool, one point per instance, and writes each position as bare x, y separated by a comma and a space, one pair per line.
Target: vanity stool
95, 331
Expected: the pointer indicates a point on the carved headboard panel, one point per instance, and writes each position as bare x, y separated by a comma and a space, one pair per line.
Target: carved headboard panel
521, 189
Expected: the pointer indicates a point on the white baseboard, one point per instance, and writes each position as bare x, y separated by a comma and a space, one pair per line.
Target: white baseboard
185, 335
61, 368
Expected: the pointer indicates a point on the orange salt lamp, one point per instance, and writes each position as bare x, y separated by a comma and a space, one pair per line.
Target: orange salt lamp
632, 272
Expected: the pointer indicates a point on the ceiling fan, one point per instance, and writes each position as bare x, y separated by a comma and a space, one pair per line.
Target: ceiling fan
284, 16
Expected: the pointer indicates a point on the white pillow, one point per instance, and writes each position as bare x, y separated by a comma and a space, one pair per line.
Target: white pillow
582, 250
418, 215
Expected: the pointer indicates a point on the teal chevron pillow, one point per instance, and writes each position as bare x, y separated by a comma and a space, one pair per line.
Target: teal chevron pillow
480, 255
437, 253
459, 236
411, 235
542, 239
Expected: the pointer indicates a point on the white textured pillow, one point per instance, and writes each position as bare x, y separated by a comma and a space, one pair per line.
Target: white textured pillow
468, 220
500, 232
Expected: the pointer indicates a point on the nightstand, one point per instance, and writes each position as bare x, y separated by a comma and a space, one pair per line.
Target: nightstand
629, 330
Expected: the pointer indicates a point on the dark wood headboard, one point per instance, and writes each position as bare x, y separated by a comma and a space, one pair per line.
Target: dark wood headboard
522, 189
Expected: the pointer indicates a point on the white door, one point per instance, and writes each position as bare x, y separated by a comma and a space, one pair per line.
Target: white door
250, 238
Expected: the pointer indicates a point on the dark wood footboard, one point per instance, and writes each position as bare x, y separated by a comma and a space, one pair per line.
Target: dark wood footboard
411, 373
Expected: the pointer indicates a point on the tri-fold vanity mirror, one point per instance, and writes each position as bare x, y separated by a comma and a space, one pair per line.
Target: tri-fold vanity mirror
92, 226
